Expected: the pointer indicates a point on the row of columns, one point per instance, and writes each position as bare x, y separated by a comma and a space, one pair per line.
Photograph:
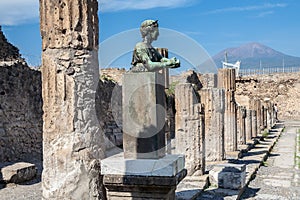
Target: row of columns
228, 126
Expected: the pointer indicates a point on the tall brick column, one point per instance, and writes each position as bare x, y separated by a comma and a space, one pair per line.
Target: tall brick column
72, 142
226, 80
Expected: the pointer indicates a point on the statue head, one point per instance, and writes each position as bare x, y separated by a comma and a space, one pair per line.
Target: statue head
149, 28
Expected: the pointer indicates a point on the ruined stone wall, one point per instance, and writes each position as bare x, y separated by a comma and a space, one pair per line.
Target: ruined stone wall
8, 52
20, 113
109, 112
282, 89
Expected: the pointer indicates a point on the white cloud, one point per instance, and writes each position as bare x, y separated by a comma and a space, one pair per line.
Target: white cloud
263, 14
14, 12
117, 5
248, 8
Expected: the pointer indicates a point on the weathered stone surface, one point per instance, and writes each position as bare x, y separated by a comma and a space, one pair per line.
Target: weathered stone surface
19, 172
109, 111
8, 52
248, 124
255, 104
209, 80
241, 126
169, 166
228, 176
254, 123
73, 143
281, 88
214, 105
226, 80
20, 113
143, 115
190, 127
69, 24
142, 187
20, 106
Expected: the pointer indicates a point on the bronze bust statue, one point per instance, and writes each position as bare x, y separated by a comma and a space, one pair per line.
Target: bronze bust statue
147, 58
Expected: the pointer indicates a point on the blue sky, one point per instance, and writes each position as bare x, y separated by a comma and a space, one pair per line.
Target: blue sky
213, 24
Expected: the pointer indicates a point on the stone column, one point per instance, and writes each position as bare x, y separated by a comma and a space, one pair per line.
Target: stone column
255, 104
241, 120
214, 104
72, 142
265, 117
254, 123
226, 80
248, 124
189, 128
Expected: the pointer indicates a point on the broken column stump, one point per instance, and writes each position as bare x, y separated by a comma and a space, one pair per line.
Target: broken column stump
228, 176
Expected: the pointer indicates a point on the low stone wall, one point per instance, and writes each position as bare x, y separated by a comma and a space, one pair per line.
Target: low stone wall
20, 113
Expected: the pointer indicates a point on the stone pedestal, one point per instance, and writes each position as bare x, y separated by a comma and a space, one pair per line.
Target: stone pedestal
228, 176
143, 115
143, 171
142, 178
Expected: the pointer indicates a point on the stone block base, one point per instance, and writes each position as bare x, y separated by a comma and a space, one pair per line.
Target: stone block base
142, 178
18, 172
124, 187
228, 176
169, 166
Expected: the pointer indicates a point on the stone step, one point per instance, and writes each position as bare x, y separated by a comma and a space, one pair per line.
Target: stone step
191, 187
18, 173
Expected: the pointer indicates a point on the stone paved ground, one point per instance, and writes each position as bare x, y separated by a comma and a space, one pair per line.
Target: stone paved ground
277, 179
280, 177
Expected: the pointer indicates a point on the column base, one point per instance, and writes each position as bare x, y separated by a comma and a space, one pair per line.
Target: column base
126, 179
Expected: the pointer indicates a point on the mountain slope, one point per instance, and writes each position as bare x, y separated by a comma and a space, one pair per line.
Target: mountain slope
254, 55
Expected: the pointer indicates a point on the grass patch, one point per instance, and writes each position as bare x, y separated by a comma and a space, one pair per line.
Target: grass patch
265, 164
265, 133
171, 89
